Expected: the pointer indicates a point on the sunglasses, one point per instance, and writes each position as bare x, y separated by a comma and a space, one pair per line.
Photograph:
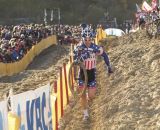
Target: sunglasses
87, 40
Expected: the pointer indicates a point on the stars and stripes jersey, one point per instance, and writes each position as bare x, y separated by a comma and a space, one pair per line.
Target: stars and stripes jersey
88, 54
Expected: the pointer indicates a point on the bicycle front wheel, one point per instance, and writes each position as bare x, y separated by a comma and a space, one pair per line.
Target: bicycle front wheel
74, 78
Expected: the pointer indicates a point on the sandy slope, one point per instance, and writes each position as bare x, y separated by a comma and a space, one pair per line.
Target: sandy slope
43, 69
130, 98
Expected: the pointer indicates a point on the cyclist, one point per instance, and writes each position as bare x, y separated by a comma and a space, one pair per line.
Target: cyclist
87, 52
142, 22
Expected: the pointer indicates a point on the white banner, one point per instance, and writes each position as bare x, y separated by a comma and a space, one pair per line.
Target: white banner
3, 116
146, 6
34, 109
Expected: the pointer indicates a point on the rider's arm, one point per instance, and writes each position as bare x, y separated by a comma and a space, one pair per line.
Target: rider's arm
99, 51
80, 54
106, 58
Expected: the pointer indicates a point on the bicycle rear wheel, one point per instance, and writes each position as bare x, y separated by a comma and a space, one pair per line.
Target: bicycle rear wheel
151, 29
158, 28
73, 76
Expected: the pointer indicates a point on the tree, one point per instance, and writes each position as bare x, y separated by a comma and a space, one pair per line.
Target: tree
72, 11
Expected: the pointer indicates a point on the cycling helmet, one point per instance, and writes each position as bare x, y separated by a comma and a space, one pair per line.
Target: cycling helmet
86, 33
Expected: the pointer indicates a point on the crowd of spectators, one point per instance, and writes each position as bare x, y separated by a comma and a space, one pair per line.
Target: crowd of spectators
15, 41
67, 34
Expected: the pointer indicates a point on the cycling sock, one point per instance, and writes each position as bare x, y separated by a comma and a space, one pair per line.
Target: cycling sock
85, 111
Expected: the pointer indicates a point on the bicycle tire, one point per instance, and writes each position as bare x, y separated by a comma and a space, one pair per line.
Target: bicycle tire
151, 29
142, 26
71, 85
158, 27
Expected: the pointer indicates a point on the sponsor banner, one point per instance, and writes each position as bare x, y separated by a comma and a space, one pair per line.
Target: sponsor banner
3, 116
33, 108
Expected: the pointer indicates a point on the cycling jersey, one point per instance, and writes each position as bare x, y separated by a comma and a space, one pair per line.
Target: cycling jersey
88, 56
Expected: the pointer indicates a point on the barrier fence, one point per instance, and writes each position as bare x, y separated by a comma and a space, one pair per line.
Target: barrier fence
8, 69
38, 109
41, 108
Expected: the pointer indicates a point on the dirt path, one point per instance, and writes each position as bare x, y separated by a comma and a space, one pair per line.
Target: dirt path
73, 117
130, 98
43, 69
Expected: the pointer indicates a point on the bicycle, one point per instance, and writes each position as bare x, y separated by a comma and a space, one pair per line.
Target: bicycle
153, 26
74, 77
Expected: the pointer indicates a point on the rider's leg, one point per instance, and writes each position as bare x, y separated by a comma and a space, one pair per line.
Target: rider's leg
84, 99
92, 85
91, 93
84, 104
91, 90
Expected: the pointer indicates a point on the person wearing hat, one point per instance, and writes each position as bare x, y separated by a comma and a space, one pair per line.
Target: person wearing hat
1, 57
88, 54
